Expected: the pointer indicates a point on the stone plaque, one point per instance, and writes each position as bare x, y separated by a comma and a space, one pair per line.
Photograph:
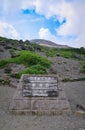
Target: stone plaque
39, 94
39, 86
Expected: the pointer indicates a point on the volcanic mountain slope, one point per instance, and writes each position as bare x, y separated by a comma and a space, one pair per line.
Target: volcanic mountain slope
51, 58
48, 43
67, 63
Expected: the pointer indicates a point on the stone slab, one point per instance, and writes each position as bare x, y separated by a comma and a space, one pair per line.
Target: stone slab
39, 94
41, 86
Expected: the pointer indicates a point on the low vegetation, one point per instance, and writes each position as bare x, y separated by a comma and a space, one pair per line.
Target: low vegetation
35, 64
28, 54
73, 53
83, 68
18, 45
34, 69
27, 58
73, 80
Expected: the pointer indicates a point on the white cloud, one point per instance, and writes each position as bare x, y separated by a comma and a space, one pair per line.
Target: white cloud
60, 9
26, 36
44, 33
10, 6
7, 30
75, 19
27, 4
73, 11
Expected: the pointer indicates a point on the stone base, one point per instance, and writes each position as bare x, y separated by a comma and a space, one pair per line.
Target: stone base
39, 105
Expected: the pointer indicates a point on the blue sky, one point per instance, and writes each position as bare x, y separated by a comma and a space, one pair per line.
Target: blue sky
61, 21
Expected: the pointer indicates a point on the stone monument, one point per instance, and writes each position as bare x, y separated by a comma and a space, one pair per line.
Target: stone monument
39, 94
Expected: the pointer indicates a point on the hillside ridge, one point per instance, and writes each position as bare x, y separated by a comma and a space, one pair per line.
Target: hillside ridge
18, 57
48, 43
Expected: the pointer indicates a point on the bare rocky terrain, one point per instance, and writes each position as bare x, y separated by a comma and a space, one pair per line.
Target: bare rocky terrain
67, 69
75, 92
48, 43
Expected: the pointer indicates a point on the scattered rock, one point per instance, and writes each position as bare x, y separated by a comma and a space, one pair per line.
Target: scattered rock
78, 56
1, 50
5, 79
81, 107
14, 82
66, 68
7, 69
23, 47
5, 54
80, 112
31, 48
14, 68
8, 46
58, 54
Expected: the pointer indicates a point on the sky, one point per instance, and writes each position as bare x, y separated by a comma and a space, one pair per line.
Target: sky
60, 21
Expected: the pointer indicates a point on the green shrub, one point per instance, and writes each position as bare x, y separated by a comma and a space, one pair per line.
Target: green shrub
35, 64
28, 59
66, 54
13, 53
83, 68
73, 80
35, 69
3, 63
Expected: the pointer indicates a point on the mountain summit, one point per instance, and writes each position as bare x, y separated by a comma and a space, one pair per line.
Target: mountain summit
48, 43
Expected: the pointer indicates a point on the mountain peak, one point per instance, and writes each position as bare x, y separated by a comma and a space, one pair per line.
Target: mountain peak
48, 43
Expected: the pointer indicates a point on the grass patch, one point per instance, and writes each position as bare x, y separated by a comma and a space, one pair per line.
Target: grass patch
3, 63
28, 59
35, 69
51, 52
13, 53
72, 53
66, 54
34, 62
73, 80
83, 68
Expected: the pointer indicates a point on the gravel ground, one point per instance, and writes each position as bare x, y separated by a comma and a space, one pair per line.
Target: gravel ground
67, 68
75, 92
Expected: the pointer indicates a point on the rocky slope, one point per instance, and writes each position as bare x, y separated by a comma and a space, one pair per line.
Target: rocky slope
48, 43
67, 63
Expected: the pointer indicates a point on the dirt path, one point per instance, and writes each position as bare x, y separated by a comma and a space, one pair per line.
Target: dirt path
75, 92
